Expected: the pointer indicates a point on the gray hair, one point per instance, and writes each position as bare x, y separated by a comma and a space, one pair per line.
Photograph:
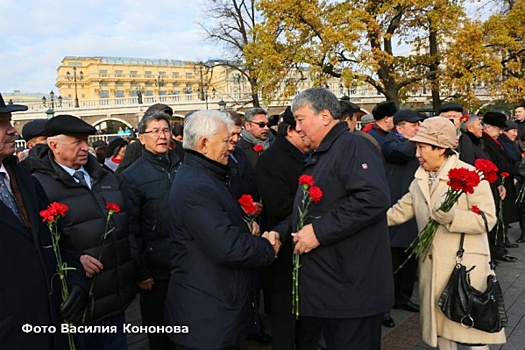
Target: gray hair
204, 123
155, 115
471, 119
250, 113
318, 99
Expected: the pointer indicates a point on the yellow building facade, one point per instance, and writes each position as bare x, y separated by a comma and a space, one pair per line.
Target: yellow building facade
115, 77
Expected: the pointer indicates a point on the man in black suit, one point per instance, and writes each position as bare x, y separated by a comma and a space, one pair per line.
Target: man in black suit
29, 294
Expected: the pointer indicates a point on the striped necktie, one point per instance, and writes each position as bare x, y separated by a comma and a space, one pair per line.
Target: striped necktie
7, 197
80, 177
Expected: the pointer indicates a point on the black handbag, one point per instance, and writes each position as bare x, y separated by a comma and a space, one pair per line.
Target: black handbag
462, 303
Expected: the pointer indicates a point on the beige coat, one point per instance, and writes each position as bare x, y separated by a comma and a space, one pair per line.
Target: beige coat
436, 269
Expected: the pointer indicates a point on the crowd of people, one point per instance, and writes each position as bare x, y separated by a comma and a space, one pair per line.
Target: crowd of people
160, 215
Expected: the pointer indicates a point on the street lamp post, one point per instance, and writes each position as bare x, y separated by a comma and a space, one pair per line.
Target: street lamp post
222, 105
80, 77
51, 111
159, 82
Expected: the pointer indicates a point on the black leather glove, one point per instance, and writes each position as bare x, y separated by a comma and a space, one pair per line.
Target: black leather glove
73, 308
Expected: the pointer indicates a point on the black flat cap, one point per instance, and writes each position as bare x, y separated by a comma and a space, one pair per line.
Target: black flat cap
495, 119
511, 125
406, 115
115, 143
451, 106
384, 109
66, 124
34, 128
348, 108
99, 143
10, 107
288, 116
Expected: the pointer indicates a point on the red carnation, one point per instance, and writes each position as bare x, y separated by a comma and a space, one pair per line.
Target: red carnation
53, 212
476, 210
306, 180
504, 174
247, 204
523, 155
315, 193
489, 169
464, 118
258, 148
462, 179
113, 207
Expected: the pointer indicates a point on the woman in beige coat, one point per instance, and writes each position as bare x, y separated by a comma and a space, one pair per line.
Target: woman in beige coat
434, 143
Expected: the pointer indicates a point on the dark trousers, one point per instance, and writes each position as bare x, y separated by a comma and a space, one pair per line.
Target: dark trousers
152, 311
496, 245
282, 321
340, 333
405, 278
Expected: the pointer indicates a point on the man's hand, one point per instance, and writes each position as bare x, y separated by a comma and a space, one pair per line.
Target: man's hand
305, 240
91, 265
273, 238
502, 191
146, 284
255, 229
72, 309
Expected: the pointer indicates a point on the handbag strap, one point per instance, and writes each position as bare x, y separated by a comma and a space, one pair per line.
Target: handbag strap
459, 253
492, 263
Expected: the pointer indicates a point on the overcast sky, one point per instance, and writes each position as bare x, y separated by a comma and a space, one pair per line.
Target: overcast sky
37, 35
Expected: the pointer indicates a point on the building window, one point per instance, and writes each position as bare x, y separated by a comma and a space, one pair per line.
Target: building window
103, 72
162, 74
119, 84
103, 84
119, 72
104, 93
176, 85
189, 75
148, 72
119, 93
149, 93
148, 84
175, 74
133, 73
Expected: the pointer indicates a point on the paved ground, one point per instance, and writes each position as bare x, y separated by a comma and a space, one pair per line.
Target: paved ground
406, 334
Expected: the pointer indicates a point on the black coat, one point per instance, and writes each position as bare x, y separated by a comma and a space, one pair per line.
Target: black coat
350, 274
28, 293
213, 256
400, 165
243, 179
146, 186
278, 170
501, 158
85, 224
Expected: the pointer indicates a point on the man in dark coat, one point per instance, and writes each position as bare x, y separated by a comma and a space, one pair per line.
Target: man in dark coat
400, 165
69, 174
495, 122
213, 253
383, 114
345, 274
256, 133
30, 295
146, 186
278, 170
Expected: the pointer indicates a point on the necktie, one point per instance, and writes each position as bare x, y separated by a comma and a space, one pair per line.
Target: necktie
8, 199
79, 175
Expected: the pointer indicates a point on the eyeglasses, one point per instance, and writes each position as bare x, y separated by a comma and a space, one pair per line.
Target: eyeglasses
158, 131
260, 124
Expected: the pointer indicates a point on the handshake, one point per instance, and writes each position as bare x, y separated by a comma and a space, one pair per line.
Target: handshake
273, 238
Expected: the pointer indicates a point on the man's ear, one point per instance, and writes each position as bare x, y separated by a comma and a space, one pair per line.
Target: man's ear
202, 145
326, 116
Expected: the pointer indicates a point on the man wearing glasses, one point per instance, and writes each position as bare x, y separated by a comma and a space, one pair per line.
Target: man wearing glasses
146, 188
256, 133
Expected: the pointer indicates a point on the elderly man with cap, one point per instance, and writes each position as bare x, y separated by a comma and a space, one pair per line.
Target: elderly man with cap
383, 114
33, 132
349, 116
70, 175
400, 165
213, 253
452, 111
30, 294
345, 278
495, 123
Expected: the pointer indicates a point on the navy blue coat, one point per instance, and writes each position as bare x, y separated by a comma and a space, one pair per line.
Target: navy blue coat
400, 166
213, 256
350, 274
27, 267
